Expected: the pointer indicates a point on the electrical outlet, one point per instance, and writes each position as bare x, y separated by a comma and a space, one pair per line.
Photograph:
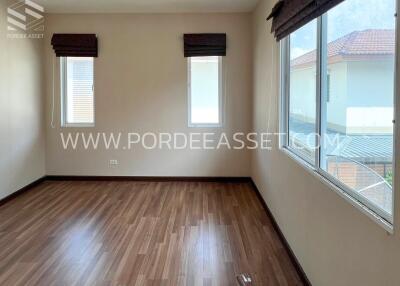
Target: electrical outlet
113, 163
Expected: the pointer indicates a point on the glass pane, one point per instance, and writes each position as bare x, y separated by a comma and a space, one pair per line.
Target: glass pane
358, 129
80, 103
204, 90
302, 98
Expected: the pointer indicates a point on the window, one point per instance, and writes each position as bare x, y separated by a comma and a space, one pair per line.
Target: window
205, 89
77, 92
338, 85
302, 92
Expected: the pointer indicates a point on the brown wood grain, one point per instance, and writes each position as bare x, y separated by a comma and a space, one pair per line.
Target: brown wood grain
140, 233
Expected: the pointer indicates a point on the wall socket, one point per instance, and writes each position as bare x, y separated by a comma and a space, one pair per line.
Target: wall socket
113, 163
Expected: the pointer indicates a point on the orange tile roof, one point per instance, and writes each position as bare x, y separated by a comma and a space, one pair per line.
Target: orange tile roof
359, 43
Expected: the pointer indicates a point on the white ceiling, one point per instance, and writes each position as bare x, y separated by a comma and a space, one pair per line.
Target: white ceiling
146, 6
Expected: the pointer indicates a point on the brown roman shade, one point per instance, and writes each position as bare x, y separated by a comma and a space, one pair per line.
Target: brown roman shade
75, 45
203, 45
289, 15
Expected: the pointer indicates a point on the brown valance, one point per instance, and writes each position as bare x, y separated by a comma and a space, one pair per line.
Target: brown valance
290, 15
75, 45
203, 45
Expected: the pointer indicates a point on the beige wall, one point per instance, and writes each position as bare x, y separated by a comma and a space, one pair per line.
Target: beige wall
22, 156
141, 86
335, 243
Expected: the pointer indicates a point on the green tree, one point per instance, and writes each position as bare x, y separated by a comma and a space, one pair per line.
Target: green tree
389, 178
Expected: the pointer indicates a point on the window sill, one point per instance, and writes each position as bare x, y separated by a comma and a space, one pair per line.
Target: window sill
77, 125
205, 126
310, 169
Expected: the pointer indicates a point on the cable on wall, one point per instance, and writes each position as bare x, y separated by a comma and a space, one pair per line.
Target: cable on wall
53, 96
271, 87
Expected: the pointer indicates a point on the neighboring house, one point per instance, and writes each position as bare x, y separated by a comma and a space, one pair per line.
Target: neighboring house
360, 83
359, 109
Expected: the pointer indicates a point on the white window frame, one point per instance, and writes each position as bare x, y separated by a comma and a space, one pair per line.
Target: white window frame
64, 94
380, 216
220, 96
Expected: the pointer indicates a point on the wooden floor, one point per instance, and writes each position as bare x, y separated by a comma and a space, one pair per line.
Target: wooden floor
140, 233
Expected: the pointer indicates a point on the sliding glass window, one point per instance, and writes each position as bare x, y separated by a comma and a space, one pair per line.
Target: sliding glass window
302, 91
338, 99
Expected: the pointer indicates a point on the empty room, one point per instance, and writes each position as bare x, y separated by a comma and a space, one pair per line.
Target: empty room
199, 143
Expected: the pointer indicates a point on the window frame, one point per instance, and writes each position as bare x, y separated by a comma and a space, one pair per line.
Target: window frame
64, 94
221, 90
377, 214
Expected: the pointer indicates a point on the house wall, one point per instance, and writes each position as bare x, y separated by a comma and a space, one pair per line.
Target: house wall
370, 83
335, 242
337, 105
303, 93
22, 155
361, 96
370, 97
141, 86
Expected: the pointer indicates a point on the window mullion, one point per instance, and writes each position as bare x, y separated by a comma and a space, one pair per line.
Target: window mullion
322, 74
287, 88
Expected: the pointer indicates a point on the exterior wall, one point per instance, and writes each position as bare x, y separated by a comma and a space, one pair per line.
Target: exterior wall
336, 244
370, 97
370, 83
353, 176
336, 109
360, 101
303, 92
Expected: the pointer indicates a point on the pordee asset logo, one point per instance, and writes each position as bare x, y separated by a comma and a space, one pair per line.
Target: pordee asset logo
25, 19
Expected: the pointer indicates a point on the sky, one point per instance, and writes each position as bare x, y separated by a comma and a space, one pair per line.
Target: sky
347, 17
